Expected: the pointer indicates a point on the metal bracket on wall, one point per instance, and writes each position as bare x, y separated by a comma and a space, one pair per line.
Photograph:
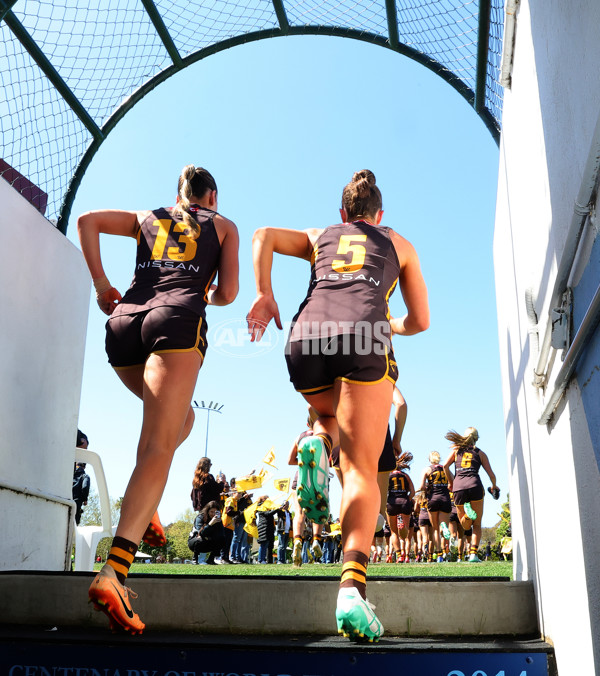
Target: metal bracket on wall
561, 318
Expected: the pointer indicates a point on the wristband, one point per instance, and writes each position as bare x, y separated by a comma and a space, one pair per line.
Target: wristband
101, 284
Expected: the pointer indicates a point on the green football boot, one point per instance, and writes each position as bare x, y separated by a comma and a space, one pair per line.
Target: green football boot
313, 479
355, 617
470, 512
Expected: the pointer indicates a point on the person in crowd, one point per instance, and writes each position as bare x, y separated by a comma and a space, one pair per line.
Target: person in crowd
229, 510
466, 483
156, 342
205, 488
207, 537
81, 480
328, 544
435, 486
239, 542
265, 525
355, 266
284, 527
399, 504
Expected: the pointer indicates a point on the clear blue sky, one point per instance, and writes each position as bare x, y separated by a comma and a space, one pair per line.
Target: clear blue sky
282, 124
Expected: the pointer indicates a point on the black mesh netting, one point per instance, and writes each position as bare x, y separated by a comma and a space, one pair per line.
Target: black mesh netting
66, 66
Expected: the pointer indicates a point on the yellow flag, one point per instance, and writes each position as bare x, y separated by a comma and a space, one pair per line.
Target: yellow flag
266, 505
250, 482
263, 475
282, 484
269, 459
250, 519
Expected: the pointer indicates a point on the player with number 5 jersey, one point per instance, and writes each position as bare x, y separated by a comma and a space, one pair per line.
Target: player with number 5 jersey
339, 357
156, 342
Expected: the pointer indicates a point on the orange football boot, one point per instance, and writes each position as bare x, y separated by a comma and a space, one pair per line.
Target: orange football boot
155, 534
112, 598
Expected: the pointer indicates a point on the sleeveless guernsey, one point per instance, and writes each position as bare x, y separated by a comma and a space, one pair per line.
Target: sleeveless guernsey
354, 270
467, 463
172, 268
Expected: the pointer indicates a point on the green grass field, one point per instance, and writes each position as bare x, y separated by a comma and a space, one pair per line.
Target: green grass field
433, 570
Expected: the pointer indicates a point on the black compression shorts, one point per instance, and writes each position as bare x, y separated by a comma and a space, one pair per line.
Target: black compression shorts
399, 506
315, 364
439, 503
131, 338
468, 495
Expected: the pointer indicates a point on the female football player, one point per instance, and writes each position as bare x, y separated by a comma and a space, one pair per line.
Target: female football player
156, 342
340, 359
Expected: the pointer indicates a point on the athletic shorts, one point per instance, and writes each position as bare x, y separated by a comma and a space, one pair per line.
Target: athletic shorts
424, 521
314, 365
387, 459
131, 338
468, 495
399, 506
454, 516
439, 503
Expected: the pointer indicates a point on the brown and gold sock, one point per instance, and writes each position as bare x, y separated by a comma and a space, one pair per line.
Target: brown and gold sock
354, 571
327, 441
121, 557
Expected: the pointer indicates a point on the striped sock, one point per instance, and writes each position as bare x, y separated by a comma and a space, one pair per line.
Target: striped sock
354, 571
121, 556
473, 549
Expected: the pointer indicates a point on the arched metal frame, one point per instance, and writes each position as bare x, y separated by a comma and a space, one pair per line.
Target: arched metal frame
476, 98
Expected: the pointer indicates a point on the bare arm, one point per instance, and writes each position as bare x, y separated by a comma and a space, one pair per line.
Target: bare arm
485, 463
266, 241
227, 286
411, 488
400, 414
413, 288
89, 227
426, 473
448, 473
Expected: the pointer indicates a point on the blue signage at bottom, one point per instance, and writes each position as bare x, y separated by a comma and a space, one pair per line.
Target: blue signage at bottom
147, 660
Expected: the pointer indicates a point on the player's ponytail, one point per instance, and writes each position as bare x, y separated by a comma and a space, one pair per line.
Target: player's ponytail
403, 461
193, 182
463, 441
361, 198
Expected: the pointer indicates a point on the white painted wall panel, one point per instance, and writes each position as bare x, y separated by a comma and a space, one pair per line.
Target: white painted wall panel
44, 296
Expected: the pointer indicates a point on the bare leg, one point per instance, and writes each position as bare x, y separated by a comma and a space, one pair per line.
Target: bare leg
394, 539
383, 479
168, 386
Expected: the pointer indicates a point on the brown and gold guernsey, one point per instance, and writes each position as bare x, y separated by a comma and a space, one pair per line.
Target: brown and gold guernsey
354, 270
398, 485
467, 463
172, 268
437, 483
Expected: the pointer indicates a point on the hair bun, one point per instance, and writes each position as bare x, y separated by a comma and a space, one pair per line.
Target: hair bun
364, 180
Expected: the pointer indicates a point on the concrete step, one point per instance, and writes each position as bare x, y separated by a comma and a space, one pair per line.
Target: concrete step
71, 651
407, 607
